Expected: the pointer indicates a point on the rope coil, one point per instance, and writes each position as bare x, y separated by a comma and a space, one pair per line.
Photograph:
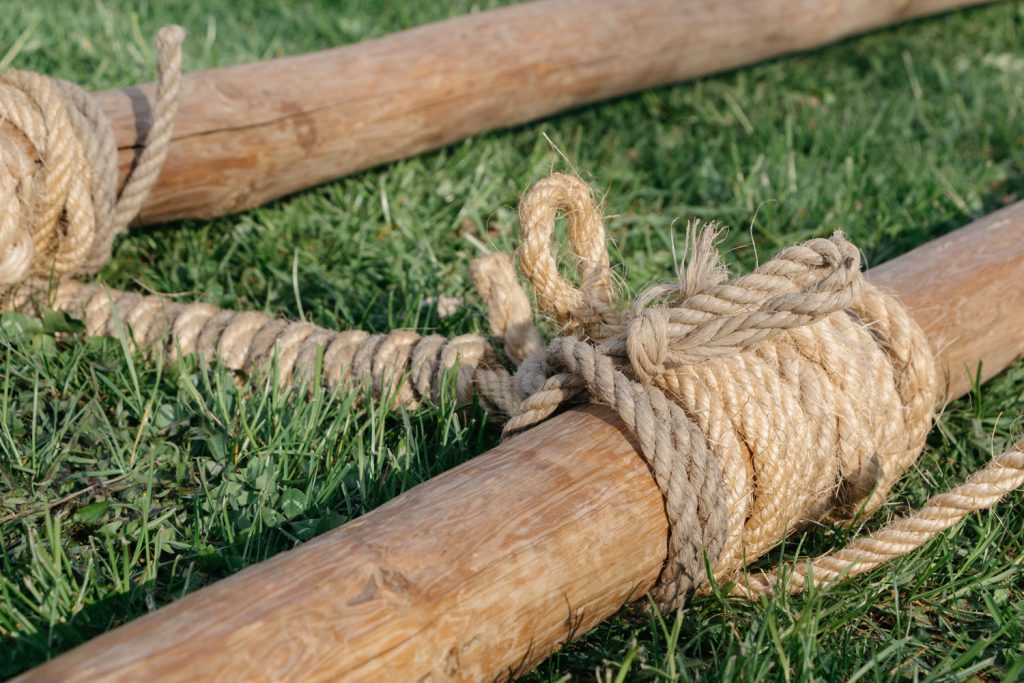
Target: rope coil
59, 171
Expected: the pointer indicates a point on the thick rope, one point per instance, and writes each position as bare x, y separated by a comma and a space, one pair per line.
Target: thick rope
791, 394
401, 368
58, 174
61, 212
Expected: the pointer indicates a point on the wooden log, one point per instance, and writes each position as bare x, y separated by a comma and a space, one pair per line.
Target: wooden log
484, 570
247, 134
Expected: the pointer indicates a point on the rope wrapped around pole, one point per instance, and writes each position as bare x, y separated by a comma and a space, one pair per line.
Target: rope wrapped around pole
799, 391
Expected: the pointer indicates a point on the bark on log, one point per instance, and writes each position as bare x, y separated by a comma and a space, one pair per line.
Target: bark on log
248, 134
484, 570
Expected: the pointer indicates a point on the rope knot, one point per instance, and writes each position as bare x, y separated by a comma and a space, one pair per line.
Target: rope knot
784, 395
647, 344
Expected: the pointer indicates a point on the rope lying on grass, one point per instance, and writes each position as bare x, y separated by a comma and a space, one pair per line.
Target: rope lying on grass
982, 490
402, 366
794, 393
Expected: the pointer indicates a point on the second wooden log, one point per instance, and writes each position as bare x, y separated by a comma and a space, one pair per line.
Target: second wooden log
250, 133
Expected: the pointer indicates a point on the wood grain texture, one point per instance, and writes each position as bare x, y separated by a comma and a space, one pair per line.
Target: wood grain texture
382, 597
247, 134
484, 570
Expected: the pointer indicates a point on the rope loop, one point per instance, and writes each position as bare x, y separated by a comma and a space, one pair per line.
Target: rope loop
588, 307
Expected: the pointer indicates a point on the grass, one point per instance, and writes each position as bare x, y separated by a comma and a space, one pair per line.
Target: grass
126, 483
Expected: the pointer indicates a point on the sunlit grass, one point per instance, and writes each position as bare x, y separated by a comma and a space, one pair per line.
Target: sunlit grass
126, 482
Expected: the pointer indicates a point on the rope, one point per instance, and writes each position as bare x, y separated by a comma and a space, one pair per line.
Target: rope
795, 393
401, 368
61, 213
59, 170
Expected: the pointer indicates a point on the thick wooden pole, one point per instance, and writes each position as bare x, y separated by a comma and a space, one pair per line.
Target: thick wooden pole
484, 570
247, 134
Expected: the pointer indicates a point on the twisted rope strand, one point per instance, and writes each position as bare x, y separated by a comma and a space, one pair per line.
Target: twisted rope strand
154, 150
402, 366
58, 175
